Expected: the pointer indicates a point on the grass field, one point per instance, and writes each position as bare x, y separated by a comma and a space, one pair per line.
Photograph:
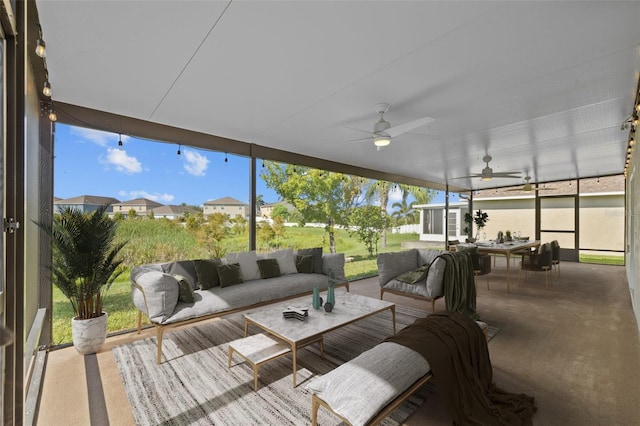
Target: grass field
164, 241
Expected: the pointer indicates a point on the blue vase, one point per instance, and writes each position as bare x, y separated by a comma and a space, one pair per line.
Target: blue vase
316, 298
331, 296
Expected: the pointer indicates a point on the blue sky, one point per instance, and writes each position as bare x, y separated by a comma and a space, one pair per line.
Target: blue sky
90, 162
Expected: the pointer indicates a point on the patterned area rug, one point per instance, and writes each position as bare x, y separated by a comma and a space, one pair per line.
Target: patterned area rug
194, 386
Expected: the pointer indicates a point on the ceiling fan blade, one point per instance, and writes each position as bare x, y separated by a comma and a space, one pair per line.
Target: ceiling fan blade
506, 175
369, 139
468, 177
406, 127
358, 130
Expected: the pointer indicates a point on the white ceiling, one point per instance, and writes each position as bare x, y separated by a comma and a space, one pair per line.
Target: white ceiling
543, 87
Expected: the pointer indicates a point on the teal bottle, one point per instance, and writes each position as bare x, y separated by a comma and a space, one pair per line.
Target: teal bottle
316, 298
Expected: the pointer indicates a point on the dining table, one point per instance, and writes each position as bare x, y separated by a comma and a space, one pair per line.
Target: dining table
507, 249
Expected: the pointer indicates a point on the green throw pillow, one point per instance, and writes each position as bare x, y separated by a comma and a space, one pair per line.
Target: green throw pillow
229, 274
304, 264
412, 277
206, 273
185, 291
269, 268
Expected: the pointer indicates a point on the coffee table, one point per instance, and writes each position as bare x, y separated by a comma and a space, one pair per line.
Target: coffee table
348, 308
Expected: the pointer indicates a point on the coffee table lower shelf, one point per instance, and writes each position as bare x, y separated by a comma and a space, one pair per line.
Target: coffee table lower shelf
259, 349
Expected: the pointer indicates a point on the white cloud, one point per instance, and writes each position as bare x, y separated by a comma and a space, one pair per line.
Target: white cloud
122, 162
195, 163
161, 198
98, 137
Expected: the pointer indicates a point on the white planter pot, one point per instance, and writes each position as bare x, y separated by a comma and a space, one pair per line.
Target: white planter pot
89, 334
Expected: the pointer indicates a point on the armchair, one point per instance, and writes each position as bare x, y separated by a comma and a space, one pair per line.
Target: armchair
539, 261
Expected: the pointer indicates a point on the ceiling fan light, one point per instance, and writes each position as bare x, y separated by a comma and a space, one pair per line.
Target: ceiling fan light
381, 141
487, 173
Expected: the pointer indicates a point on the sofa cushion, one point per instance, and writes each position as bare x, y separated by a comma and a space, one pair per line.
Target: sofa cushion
185, 292
357, 390
206, 273
304, 264
286, 260
160, 294
269, 268
230, 274
186, 268
392, 264
333, 263
316, 252
412, 277
248, 264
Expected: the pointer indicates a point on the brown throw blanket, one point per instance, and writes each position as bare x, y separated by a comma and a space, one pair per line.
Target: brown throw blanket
457, 352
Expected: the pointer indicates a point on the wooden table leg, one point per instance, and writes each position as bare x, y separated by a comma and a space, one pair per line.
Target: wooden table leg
294, 351
508, 274
393, 317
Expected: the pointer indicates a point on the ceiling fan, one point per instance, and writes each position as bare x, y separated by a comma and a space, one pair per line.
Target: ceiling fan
488, 174
528, 187
383, 133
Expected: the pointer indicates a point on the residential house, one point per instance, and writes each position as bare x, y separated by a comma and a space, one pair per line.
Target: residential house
227, 205
173, 211
266, 210
141, 206
84, 203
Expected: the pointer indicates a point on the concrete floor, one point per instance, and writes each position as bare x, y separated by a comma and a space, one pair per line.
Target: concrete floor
575, 347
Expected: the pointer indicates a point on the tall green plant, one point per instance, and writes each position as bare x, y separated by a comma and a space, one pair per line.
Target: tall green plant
85, 258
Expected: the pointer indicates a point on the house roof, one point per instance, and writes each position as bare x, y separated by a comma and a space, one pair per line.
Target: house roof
225, 201
544, 88
173, 210
140, 202
94, 200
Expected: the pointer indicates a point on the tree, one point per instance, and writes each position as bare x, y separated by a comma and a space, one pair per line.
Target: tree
238, 225
404, 212
367, 224
380, 190
132, 214
211, 234
281, 211
266, 235
259, 203
317, 195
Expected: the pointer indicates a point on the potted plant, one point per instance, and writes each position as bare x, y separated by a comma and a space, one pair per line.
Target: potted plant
468, 219
480, 219
84, 265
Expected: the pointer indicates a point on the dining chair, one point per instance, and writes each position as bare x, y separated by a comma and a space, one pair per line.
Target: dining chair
541, 261
555, 255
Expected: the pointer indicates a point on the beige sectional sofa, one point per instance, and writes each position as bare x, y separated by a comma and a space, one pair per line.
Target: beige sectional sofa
182, 292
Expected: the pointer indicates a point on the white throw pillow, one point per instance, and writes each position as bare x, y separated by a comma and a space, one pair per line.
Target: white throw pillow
286, 260
248, 264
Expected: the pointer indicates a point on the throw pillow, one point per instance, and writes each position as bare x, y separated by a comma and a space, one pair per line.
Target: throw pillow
229, 274
412, 277
304, 264
206, 273
247, 261
286, 260
269, 268
317, 257
185, 268
185, 292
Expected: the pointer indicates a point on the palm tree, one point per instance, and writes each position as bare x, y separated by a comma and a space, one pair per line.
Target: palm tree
404, 212
84, 262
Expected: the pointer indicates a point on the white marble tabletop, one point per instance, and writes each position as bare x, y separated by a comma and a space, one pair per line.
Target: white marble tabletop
348, 308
